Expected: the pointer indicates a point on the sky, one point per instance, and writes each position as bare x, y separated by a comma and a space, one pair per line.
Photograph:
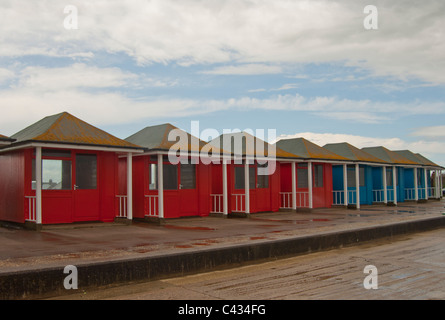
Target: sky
303, 68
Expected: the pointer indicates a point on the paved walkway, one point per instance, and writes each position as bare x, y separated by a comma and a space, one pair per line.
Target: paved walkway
57, 246
409, 267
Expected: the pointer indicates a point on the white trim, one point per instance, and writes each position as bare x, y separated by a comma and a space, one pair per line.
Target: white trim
394, 183
310, 189
71, 146
160, 187
345, 184
416, 185
385, 187
294, 186
129, 186
246, 185
38, 185
357, 185
225, 189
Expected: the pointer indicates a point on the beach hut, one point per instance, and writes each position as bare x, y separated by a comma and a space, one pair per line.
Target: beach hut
61, 170
394, 173
172, 178
417, 180
313, 177
436, 183
353, 183
251, 176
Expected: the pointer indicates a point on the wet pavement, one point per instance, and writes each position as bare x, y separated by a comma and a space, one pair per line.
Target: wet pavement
78, 244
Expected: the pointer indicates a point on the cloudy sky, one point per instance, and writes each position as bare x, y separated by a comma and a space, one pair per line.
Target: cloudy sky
304, 68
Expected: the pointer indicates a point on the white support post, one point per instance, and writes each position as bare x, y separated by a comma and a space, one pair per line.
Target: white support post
345, 184
416, 186
129, 186
309, 178
440, 184
247, 186
394, 183
357, 184
38, 185
436, 184
225, 190
426, 183
385, 186
160, 187
294, 186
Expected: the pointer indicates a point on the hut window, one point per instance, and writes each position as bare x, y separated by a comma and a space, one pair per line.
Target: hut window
318, 176
86, 171
389, 177
153, 177
302, 178
188, 176
419, 177
263, 180
170, 173
56, 175
351, 177
239, 178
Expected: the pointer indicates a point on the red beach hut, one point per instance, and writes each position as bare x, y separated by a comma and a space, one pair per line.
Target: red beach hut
60, 170
170, 179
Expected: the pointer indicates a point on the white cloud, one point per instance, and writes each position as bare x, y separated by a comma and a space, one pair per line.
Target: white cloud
430, 132
246, 69
409, 43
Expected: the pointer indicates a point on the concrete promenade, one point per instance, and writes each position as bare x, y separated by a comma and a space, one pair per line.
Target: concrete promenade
32, 263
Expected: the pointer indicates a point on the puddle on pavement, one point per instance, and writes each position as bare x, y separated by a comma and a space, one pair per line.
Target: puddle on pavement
189, 228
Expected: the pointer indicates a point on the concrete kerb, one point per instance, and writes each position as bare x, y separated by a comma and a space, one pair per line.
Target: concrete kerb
49, 281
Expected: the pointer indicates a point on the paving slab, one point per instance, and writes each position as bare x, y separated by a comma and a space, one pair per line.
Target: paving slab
54, 247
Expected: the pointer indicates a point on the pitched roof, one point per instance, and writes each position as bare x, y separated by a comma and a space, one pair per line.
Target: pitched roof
426, 161
389, 156
164, 136
66, 129
250, 145
352, 153
308, 150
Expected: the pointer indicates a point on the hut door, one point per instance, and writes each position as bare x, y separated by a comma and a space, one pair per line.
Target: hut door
86, 189
188, 192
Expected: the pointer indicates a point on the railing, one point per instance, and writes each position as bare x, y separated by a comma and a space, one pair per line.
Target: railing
410, 193
31, 209
432, 192
352, 198
302, 200
240, 202
217, 203
378, 196
422, 194
122, 206
338, 198
286, 200
152, 205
